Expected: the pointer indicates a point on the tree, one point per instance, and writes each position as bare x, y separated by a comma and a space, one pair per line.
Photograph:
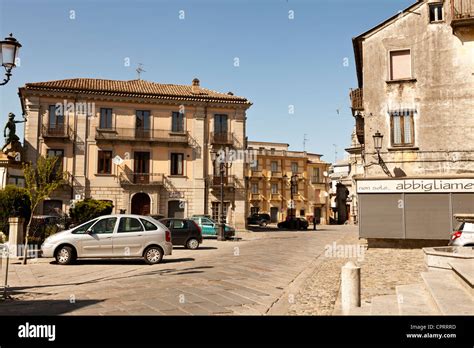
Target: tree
89, 209
41, 179
14, 202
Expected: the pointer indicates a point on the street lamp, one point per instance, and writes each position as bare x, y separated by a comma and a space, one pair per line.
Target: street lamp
223, 168
9, 49
293, 190
378, 138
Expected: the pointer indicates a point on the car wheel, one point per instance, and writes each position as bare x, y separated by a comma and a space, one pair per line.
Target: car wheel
65, 255
192, 244
153, 255
263, 224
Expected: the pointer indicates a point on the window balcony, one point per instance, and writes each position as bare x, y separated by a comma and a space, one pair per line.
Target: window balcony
137, 134
462, 13
275, 197
133, 178
357, 99
60, 131
222, 138
256, 197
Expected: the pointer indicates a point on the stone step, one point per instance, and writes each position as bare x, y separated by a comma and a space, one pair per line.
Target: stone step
450, 297
414, 299
463, 271
385, 305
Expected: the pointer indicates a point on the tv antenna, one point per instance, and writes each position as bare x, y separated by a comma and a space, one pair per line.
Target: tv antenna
305, 139
335, 152
140, 69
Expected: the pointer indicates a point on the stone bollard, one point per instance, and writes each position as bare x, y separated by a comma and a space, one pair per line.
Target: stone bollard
350, 286
16, 237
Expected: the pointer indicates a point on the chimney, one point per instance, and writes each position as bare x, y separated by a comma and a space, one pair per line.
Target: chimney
195, 89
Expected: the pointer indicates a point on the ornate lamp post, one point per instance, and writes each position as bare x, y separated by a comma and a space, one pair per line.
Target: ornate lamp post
378, 138
293, 191
223, 168
9, 49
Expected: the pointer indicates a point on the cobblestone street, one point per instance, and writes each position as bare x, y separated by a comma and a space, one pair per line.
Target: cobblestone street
242, 277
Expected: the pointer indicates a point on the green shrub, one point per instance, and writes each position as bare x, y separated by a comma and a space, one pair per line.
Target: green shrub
14, 202
89, 209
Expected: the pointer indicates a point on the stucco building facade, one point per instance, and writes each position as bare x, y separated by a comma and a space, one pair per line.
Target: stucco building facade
269, 188
145, 146
416, 88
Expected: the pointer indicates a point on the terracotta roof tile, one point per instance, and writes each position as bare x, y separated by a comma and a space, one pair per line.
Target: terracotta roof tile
136, 88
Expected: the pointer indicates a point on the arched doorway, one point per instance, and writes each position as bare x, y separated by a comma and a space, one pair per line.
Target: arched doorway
141, 204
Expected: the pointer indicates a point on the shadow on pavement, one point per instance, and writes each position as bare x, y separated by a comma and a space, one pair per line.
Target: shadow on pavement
43, 307
121, 261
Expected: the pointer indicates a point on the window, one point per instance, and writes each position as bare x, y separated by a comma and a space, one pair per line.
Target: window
84, 227
179, 224
104, 226
402, 128
220, 124
105, 118
274, 166
58, 166
129, 225
177, 122
104, 165
302, 212
315, 176
254, 210
16, 180
436, 12
294, 167
400, 65
254, 165
254, 188
142, 120
274, 189
177, 161
148, 225
215, 210
56, 117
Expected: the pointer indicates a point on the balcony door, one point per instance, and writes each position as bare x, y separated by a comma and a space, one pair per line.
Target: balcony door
56, 120
141, 167
220, 127
142, 124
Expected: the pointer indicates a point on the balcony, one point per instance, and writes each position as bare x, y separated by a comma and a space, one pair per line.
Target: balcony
357, 99
59, 131
136, 134
133, 178
462, 13
229, 181
255, 197
277, 174
222, 139
275, 197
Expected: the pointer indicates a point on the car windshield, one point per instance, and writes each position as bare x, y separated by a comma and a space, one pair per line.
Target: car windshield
460, 226
84, 227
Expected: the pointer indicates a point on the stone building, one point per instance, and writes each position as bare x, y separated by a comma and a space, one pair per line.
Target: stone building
145, 146
416, 89
269, 188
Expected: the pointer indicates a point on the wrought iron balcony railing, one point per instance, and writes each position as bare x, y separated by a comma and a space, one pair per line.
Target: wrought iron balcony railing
138, 134
134, 178
223, 138
56, 131
357, 99
462, 13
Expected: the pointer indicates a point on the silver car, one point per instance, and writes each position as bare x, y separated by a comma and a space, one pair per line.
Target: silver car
111, 236
463, 235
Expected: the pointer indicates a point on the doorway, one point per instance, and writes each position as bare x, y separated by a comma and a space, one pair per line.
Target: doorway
274, 214
175, 209
141, 204
141, 168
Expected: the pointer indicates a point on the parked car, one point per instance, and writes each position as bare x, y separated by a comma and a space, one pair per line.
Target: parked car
184, 232
210, 228
295, 223
259, 219
111, 236
463, 235
157, 216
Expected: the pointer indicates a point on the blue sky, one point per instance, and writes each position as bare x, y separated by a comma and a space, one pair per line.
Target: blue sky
282, 61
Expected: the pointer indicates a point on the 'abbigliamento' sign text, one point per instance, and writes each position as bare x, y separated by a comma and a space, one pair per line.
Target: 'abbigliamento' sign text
415, 186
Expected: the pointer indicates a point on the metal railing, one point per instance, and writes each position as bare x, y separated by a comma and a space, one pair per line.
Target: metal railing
139, 134
55, 131
357, 99
134, 178
462, 9
224, 138
229, 180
